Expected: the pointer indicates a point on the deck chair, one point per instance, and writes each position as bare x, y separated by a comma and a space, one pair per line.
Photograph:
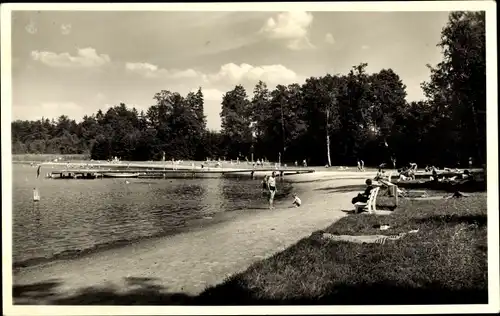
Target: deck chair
370, 205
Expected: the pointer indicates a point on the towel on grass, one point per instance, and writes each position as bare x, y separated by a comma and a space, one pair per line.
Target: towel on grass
366, 239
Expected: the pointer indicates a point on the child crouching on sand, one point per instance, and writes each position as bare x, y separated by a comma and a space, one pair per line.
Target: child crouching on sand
296, 200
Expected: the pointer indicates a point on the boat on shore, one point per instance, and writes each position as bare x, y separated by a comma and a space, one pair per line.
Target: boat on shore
120, 175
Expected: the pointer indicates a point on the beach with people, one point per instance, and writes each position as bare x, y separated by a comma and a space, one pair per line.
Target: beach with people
188, 261
184, 266
249, 158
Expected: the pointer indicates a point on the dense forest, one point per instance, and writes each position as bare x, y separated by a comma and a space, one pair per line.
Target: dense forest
335, 119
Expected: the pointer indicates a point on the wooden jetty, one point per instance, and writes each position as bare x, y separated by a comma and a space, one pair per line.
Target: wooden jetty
163, 172
74, 174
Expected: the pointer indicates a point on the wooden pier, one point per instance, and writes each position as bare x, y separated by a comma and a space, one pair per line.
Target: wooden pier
74, 174
159, 172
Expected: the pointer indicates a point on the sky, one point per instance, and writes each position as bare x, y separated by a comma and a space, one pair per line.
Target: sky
76, 62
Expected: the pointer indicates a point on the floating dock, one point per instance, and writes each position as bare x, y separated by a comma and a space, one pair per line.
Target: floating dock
162, 172
74, 174
93, 170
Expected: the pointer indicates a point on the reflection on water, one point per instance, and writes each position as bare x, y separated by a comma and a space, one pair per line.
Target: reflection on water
77, 215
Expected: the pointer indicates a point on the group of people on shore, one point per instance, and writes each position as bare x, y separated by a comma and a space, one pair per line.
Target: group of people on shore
408, 173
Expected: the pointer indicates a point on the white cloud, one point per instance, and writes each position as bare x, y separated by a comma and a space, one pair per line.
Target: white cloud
232, 73
65, 29
365, 47
329, 38
188, 73
288, 25
153, 71
228, 74
144, 69
85, 58
292, 26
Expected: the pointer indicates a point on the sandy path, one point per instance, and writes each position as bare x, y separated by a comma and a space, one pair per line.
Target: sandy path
190, 261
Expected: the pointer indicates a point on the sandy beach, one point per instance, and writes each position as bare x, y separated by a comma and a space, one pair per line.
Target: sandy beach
190, 261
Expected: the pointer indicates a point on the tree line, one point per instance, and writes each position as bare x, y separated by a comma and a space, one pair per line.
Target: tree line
333, 119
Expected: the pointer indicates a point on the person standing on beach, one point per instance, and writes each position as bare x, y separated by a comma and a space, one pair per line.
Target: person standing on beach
271, 183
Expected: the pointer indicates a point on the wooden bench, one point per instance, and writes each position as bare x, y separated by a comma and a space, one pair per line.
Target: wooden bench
370, 205
392, 189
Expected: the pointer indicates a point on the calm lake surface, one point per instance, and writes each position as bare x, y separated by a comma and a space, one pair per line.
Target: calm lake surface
75, 216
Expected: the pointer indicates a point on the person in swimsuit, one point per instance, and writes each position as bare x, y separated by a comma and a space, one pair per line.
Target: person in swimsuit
271, 182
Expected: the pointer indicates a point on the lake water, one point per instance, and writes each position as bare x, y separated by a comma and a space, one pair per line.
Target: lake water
77, 216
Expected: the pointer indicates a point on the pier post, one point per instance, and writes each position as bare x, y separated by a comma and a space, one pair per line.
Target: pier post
396, 195
252, 174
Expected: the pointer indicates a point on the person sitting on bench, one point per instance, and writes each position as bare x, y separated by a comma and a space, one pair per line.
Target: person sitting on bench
363, 197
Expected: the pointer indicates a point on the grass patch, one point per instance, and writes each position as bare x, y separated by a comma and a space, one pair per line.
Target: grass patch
444, 263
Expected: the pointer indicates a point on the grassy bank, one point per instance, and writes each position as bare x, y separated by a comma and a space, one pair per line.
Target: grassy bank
48, 157
444, 263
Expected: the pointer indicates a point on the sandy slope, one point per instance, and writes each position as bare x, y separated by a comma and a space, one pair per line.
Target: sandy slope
190, 261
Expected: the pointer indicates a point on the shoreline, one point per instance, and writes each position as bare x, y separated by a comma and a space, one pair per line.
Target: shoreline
191, 225
298, 185
243, 238
243, 169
